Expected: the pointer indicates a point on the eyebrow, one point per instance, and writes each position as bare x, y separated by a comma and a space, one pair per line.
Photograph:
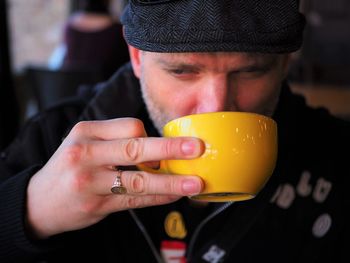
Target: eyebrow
259, 62
264, 66
168, 63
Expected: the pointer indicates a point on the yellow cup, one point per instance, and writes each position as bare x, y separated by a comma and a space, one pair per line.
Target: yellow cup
240, 154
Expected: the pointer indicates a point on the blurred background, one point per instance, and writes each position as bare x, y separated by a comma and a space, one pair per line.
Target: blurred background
35, 75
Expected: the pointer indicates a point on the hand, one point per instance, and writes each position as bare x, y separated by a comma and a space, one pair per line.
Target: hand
72, 190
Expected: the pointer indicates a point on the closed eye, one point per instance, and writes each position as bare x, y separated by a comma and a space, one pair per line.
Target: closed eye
252, 71
182, 72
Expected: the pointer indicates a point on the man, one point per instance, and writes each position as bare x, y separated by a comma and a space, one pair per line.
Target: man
65, 201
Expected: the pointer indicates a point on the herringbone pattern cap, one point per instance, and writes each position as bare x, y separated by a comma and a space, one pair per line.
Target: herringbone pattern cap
267, 26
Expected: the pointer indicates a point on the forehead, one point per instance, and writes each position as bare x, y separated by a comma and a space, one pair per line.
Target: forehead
213, 59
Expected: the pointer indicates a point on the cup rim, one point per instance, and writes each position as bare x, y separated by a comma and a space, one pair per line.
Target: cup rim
221, 112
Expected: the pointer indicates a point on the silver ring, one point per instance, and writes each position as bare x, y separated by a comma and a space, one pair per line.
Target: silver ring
117, 187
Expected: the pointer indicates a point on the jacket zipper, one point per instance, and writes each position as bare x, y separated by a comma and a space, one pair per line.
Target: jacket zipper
202, 224
147, 237
193, 239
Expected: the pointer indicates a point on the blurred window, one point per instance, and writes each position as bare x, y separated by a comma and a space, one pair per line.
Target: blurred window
35, 30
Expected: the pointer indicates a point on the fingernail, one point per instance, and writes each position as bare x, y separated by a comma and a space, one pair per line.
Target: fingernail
191, 187
188, 147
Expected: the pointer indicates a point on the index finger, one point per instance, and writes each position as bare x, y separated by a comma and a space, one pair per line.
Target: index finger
109, 129
138, 150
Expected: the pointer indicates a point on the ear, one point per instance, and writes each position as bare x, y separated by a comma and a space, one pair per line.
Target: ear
135, 58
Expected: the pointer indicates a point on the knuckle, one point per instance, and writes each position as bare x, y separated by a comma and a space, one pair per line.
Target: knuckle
73, 153
133, 149
164, 199
170, 147
137, 183
158, 199
170, 185
80, 182
135, 202
167, 147
89, 207
136, 127
80, 128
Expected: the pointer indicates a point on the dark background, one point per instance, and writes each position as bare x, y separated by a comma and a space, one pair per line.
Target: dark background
320, 70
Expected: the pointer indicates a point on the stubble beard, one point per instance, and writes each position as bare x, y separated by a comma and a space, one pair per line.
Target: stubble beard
156, 114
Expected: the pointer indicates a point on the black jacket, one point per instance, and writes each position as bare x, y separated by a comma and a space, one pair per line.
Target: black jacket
300, 216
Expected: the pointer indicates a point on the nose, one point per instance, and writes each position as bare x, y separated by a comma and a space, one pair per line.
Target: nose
214, 95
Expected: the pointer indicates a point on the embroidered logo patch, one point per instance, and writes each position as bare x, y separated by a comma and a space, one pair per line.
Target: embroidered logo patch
322, 225
287, 193
173, 251
175, 226
214, 254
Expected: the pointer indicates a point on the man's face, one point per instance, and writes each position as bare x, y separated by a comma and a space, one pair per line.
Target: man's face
174, 85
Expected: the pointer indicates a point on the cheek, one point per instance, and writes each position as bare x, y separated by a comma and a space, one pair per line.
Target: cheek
172, 98
257, 97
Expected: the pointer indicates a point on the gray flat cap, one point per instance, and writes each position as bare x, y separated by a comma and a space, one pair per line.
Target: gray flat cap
265, 26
